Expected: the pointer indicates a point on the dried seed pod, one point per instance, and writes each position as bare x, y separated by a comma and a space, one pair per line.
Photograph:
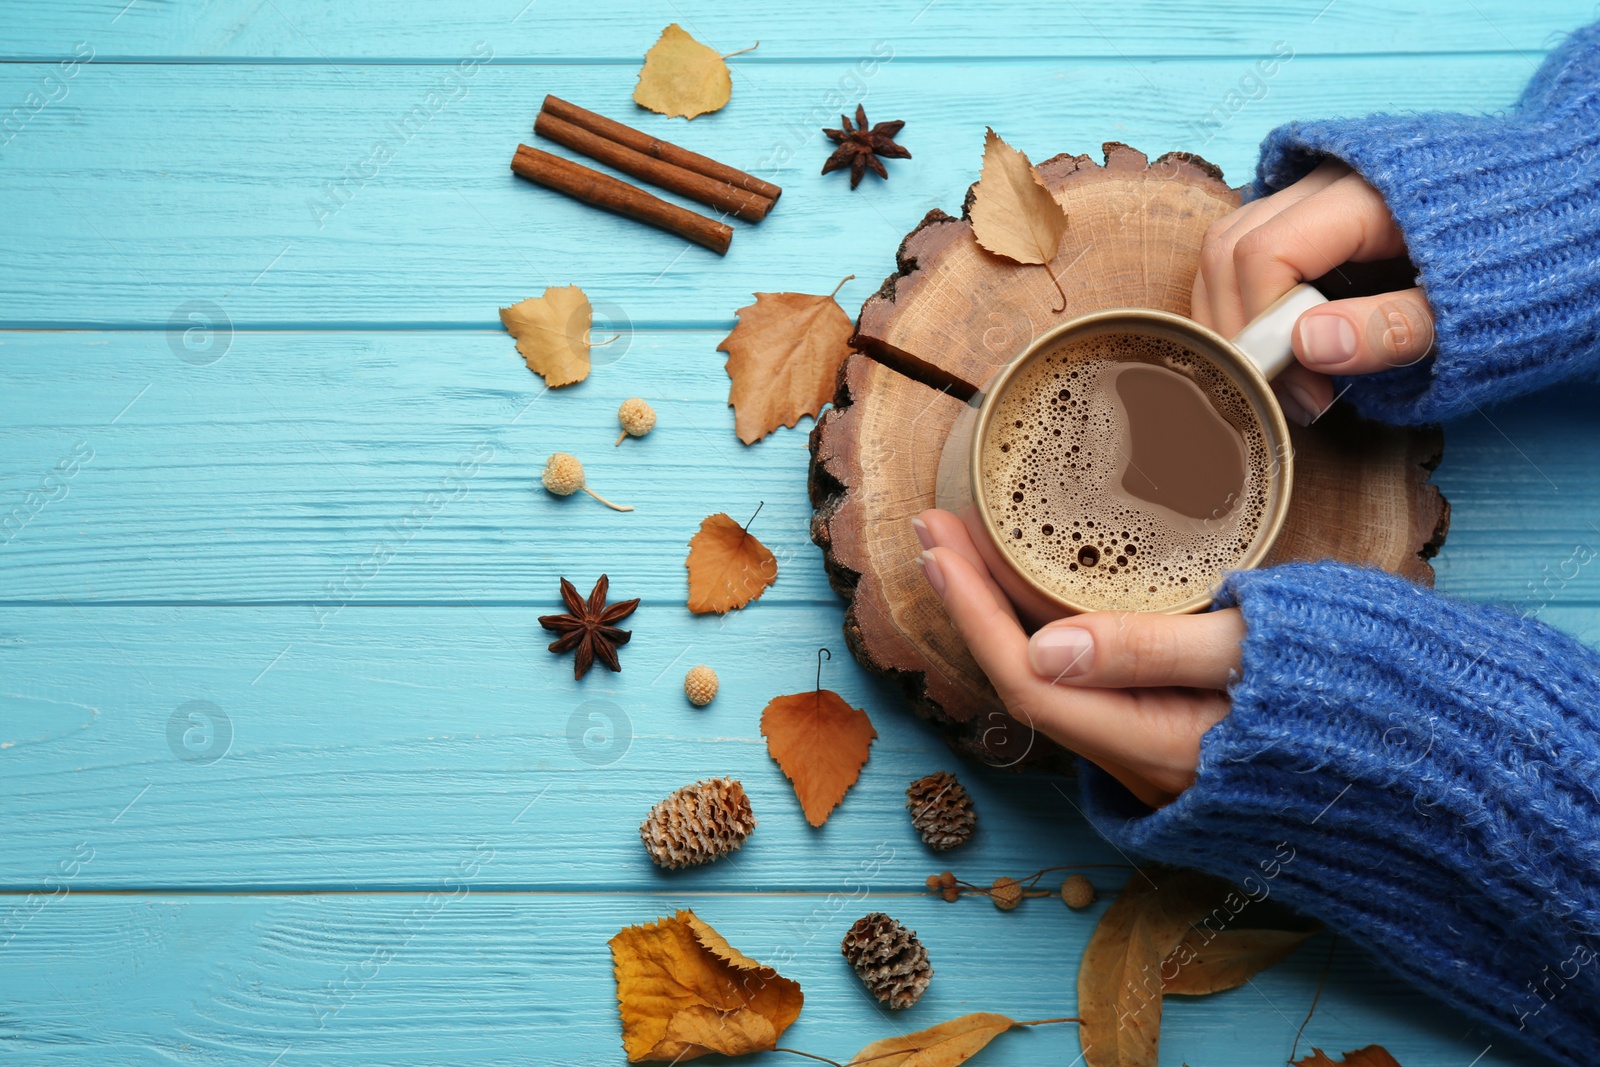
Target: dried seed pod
888, 959
636, 417
700, 685
941, 810
1006, 893
1077, 892
698, 823
951, 893
934, 884
563, 476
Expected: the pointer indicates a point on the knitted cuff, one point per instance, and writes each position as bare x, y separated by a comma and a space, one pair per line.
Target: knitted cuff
1501, 216
1422, 774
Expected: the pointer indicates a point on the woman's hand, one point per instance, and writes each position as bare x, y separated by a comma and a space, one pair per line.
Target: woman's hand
1130, 691
1256, 254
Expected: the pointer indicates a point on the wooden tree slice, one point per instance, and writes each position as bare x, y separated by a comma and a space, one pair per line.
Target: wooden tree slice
951, 316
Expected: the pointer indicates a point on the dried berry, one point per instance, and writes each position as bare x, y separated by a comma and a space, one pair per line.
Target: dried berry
1077, 892
1006, 893
941, 810
698, 823
700, 685
888, 959
637, 418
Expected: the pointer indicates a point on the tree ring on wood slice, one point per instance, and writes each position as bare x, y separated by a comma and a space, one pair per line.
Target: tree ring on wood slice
953, 314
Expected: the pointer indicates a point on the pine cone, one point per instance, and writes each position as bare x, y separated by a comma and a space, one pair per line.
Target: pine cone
941, 810
888, 958
698, 823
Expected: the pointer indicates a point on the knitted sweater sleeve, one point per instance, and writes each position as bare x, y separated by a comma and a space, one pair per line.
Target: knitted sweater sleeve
1501, 216
1420, 773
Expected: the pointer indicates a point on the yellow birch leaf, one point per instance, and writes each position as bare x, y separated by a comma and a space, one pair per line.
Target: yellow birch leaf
728, 567
946, 1045
821, 744
1207, 962
783, 360
683, 991
1013, 214
552, 333
681, 76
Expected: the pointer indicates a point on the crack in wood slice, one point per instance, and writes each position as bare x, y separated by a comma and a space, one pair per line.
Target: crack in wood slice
949, 317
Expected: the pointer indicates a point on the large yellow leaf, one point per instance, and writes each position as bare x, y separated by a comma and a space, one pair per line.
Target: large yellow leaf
1208, 962
945, 1045
821, 743
783, 360
552, 333
728, 567
681, 76
683, 991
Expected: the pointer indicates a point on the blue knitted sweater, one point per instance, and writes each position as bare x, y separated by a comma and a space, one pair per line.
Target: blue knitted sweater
1421, 773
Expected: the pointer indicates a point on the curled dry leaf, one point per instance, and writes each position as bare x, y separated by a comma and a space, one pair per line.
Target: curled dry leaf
728, 567
681, 76
821, 743
944, 1045
683, 991
783, 360
1371, 1056
552, 333
1138, 949
1013, 214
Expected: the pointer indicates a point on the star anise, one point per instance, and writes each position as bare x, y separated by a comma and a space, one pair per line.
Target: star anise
589, 627
862, 148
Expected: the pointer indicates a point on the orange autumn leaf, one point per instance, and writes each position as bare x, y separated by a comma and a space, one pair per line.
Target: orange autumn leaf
783, 359
821, 743
728, 567
944, 1045
1209, 962
1371, 1056
683, 991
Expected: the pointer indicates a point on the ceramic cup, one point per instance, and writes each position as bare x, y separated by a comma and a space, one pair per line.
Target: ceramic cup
1259, 352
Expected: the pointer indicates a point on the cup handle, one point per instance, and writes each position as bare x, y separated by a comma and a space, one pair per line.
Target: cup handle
1267, 339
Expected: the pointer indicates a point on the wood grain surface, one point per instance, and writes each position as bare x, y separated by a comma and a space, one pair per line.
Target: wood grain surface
233, 446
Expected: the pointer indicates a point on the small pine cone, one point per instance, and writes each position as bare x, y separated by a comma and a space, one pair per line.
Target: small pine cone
700, 685
1006, 893
1077, 892
941, 810
698, 823
888, 959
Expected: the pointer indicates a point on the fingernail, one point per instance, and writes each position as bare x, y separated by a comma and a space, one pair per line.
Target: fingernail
1297, 404
1326, 339
924, 538
931, 571
1058, 652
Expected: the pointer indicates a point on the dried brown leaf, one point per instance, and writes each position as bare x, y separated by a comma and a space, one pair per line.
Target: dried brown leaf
552, 333
1371, 1056
681, 76
683, 991
1013, 214
821, 743
1207, 962
728, 567
783, 359
946, 1045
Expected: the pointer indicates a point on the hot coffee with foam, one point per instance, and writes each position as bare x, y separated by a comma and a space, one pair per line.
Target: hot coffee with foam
1124, 471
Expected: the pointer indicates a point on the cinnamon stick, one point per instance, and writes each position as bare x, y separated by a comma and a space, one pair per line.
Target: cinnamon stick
659, 149
752, 207
614, 194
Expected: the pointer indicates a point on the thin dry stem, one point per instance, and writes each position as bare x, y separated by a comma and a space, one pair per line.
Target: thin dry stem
742, 51
603, 500
836, 288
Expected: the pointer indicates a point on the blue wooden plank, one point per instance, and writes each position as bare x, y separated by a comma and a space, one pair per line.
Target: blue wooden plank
274, 475
305, 30
257, 188
486, 978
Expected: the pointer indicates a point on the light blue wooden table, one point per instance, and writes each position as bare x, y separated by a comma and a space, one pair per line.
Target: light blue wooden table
222, 385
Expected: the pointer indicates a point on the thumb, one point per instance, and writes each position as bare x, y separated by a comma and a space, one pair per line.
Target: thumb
1365, 334
1129, 648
